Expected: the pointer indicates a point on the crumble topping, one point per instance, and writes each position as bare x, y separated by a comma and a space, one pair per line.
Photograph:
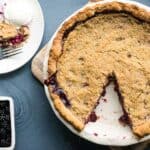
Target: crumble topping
7, 31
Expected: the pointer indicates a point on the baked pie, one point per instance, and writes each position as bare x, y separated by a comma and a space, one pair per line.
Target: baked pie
102, 43
11, 35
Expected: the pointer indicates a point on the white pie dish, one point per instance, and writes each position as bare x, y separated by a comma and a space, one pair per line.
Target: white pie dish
108, 130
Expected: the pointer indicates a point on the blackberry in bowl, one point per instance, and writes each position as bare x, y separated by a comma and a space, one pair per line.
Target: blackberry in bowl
7, 130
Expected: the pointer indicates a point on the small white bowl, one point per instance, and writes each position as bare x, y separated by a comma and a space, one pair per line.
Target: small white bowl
12, 119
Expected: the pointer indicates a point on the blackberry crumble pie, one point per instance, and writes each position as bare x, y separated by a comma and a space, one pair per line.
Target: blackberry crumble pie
101, 43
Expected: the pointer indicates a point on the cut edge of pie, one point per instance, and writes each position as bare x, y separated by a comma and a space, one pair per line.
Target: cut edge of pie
56, 51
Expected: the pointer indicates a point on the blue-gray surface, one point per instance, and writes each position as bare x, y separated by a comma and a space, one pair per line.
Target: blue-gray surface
37, 128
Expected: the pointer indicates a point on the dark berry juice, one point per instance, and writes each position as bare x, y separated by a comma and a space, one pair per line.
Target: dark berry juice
5, 124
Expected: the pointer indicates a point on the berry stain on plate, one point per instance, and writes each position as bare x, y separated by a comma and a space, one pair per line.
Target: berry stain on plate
104, 100
95, 134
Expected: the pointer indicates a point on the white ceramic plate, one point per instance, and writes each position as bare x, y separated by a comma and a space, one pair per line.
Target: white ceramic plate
32, 45
106, 130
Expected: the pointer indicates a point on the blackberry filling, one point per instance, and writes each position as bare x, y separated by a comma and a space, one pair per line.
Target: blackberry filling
17, 40
52, 81
92, 118
13, 41
124, 118
62, 96
5, 124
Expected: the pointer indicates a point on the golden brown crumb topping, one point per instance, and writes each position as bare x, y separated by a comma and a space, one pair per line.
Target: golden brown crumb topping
7, 30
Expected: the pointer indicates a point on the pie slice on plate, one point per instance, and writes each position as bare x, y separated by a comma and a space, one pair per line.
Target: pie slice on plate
100, 44
12, 35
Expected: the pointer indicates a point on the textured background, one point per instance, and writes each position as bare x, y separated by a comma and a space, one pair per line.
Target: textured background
37, 128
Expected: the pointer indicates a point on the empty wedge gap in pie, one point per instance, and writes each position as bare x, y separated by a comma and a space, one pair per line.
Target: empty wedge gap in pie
99, 41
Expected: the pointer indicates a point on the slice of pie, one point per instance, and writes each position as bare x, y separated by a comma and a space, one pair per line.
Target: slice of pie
102, 43
11, 35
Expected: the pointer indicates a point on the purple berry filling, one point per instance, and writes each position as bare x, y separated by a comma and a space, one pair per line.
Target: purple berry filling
17, 40
52, 81
124, 119
62, 96
92, 118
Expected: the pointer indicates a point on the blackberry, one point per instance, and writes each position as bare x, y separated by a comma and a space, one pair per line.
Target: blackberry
5, 124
